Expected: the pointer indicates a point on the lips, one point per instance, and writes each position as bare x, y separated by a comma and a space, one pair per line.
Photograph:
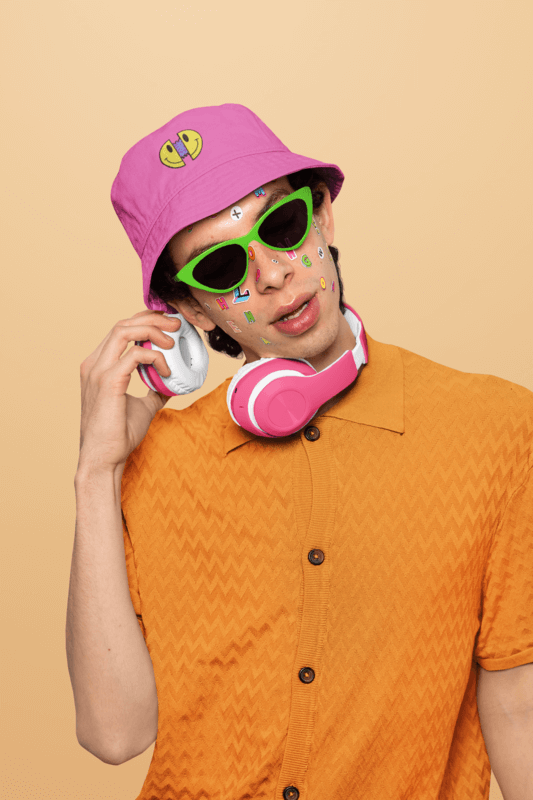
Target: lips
305, 320
300, 300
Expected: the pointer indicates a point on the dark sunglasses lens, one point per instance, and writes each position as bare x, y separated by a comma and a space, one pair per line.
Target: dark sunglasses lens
222, 268
286, 225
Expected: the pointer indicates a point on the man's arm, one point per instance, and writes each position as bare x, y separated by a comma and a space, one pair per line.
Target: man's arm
505, 707
109, 664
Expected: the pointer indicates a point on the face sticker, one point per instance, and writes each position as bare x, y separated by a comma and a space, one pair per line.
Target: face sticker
306, 261
315, 227
290, 253
236, 213
251, 254
257, 274
233, 326
330, 256
320, 252
188, 143
222, 303
332, 286
249, 316
274, 261
190, 229
240, 298
259, 192
265, 341
323, 283
207, 306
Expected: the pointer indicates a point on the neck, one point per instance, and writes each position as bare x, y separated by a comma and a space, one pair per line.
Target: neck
345, 340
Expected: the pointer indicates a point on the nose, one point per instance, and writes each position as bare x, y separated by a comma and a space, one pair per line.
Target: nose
273, 268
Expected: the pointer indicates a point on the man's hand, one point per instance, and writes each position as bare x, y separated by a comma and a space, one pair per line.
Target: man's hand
113, 423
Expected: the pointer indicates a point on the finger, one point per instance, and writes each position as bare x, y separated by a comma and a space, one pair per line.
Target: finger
92, 361
115, 380
125, 333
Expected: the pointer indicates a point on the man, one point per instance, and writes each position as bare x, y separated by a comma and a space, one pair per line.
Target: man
345, 611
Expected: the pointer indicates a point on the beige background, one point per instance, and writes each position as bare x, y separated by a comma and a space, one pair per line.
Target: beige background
424, 105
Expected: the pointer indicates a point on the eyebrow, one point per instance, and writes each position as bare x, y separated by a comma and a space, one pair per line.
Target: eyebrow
274, 198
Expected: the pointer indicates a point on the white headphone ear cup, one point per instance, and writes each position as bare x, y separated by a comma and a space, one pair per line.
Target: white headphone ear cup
188, 360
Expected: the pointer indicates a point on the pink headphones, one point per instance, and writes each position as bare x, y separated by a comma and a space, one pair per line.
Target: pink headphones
271, 397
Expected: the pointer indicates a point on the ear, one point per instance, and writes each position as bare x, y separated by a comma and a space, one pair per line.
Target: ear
191, 309
324, 215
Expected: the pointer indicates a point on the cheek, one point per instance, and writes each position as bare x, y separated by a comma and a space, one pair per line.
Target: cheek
234, 311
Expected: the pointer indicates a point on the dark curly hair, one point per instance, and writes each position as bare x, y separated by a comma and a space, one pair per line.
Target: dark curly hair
164, 287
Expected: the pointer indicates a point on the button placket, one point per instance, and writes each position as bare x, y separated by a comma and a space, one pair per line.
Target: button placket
313, 620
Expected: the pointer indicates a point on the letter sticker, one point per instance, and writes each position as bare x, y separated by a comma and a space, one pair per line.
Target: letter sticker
240, 298
222, 303
251, 254
323, 283
236, 213
265, 341
259, 191
257, 274
249, 316
320, 252
290, 253
306, 261
233, 326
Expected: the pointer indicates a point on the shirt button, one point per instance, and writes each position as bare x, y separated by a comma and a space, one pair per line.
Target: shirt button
291, 793
311, 433
316, 556
306, 675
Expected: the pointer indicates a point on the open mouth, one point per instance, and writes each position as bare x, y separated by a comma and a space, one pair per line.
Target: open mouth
296, 313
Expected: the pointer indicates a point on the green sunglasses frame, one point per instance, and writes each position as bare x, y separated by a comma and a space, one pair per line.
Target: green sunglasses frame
185, 273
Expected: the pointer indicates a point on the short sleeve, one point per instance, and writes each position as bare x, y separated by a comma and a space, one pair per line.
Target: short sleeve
132, 574
505, 637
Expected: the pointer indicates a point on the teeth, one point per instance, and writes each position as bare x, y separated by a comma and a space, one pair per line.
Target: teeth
295, 313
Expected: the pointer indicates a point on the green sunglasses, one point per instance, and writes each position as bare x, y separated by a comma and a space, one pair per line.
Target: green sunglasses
223, 267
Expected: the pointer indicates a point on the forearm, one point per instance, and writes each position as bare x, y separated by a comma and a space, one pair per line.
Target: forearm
109, 664
509, 743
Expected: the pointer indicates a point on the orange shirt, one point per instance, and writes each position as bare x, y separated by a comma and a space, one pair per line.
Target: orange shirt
316, 610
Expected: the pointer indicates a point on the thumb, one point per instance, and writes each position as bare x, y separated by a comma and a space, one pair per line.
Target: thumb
156, 400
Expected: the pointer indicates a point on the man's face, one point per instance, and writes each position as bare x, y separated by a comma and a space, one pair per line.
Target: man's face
276, 280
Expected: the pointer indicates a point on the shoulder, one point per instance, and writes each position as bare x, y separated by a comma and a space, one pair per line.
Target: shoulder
182, 434
485, 404
492, 392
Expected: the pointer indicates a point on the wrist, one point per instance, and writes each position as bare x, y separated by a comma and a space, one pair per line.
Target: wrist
91, 472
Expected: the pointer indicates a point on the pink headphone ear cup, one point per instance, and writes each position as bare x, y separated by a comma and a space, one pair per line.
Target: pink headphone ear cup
252, 383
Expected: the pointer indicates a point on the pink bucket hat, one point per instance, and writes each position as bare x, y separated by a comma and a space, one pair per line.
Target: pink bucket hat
200, 162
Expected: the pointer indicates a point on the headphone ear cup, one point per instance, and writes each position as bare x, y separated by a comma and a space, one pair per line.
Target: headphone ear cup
188, 361
267, 397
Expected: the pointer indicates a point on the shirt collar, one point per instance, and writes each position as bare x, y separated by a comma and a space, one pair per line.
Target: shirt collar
376, 398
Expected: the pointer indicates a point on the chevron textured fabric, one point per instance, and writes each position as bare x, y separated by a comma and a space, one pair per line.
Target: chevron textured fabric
317, 608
